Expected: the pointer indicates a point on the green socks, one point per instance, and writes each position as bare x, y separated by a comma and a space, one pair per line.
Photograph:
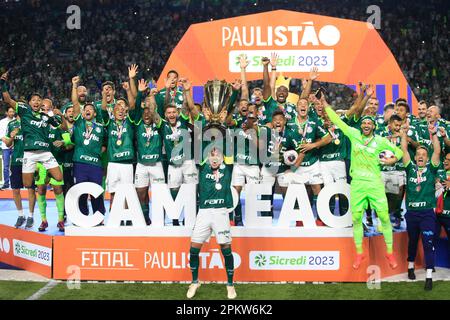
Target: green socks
194, 262
387, 230
60, 206
229, 264
42, 205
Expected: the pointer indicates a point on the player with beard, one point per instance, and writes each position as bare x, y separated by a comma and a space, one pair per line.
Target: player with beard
422, 112
79, 96
308, 136
256, 97
175, 131
282, 92
149, 169
89, 138
215, 202
37, 145
420, 202
14, 138
367, 185
394, 176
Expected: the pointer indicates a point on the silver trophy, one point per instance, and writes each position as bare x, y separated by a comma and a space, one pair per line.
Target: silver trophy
216, 99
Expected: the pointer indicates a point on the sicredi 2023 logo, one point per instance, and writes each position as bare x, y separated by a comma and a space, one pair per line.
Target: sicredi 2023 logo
294, 260
32, 252
293, 37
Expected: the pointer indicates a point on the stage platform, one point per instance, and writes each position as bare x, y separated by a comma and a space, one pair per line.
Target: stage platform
161, 254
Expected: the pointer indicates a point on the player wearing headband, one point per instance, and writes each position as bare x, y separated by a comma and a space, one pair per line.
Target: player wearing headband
367, 185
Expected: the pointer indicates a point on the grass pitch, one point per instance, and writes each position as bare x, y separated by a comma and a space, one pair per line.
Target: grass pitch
15, 290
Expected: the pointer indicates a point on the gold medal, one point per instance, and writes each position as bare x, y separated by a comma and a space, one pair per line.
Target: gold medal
119, 142
337, 141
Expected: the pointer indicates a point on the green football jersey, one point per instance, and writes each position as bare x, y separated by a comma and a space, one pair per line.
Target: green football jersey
17, 155
215, 187
174, 140
98, 110
35, 128
245, 143
420, 186
397, 141
307, 132
55, 134
270, 105
88, 137
149, 142
365, 163
337, 149
176, 98
446, 212
121, 137
276, 144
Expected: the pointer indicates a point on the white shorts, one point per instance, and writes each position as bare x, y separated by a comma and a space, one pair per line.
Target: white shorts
147, 174
309, 175
118, 173
212, 220
393, 180
268, 176
243, 173
333, 171
186, 173
31, 158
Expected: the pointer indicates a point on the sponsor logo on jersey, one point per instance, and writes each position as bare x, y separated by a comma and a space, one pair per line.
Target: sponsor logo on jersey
214, 201
89, 158
121, 154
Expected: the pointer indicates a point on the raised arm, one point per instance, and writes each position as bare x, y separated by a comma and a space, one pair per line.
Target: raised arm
346, 129
153, 107
74, 97
266, 79
404, 144
355, 109
273, 76
363, 103
444, 136
243, 64
313, 75
168, 84
187, 96
4, 87
132, 72
131, 98
435, 157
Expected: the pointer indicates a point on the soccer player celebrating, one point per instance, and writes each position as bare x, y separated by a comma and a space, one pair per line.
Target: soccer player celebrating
120, 127
37, 145
89, 140
394, 176
444, 217
175, 129
278, 140
367, 185
420, 202
309, 136
332, 164
171, 94
215, 202
14, 138
42, 179
246, 168
149, 169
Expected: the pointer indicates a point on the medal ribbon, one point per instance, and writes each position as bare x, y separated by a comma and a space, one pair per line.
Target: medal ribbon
331, 131
303, 133
120, 129
368, 141
147, 132
87, 134
419, 177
